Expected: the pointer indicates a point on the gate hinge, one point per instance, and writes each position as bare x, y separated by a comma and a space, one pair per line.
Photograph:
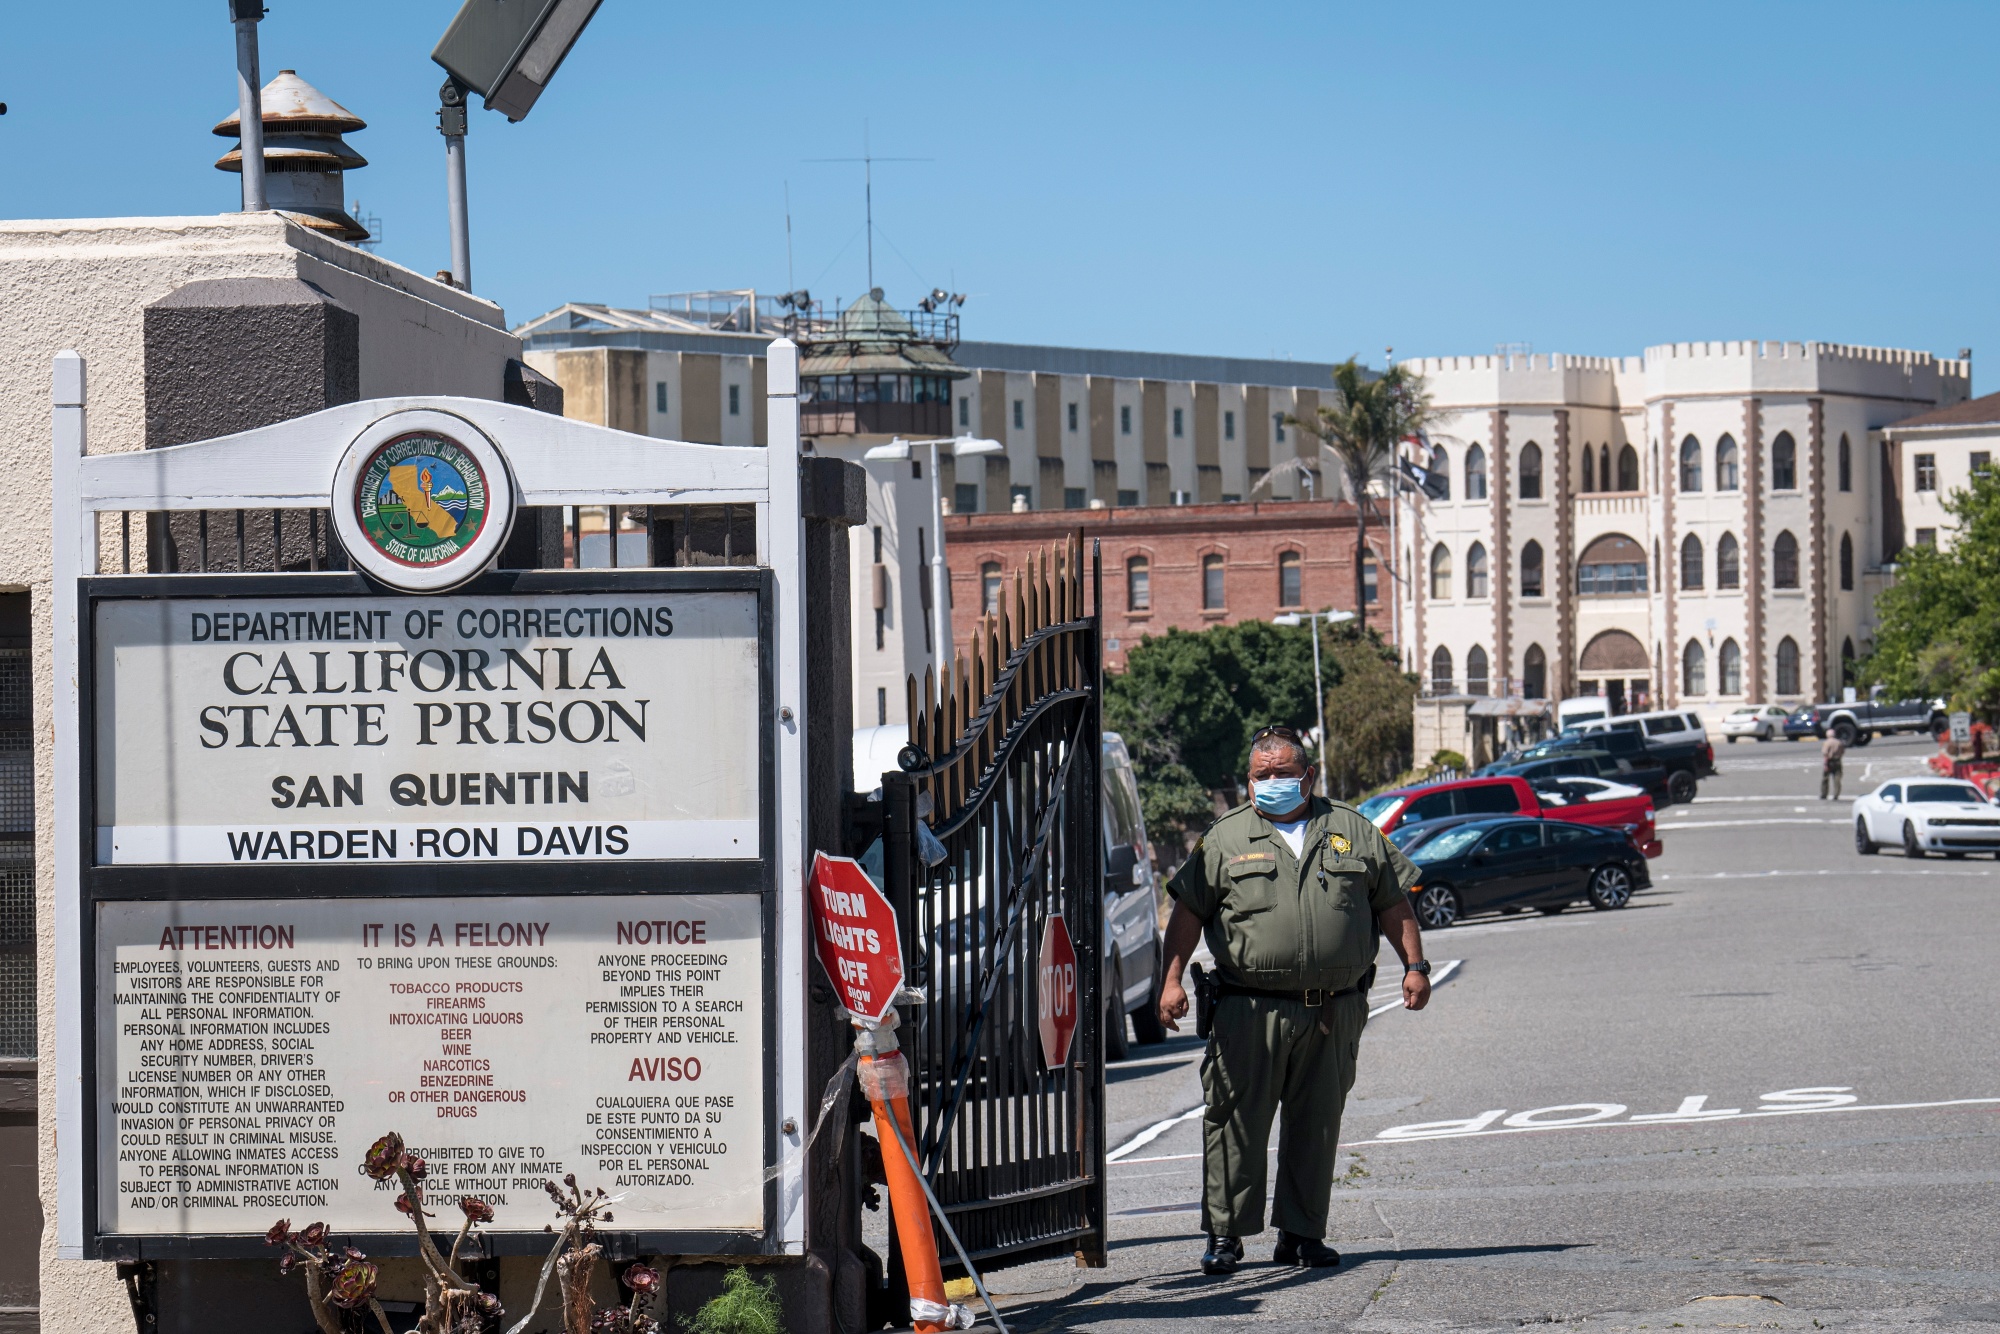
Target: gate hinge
142, 1287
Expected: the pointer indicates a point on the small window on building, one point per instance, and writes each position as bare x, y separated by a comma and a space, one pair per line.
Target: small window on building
1846, 563
1531, 570
1628, 469
1725, 476
1982, 462
965, 498
1788, 666
1441, 572
1694, 669
1475, 571
1074, 498
1926, 472
1926, 537
964, 411
1278, 427
1228, 426
1371, 591
1785, 561
1231, 498
1691, 562
1138, 584
1728, 562
1846, 465
659, 395
1589, 469
1475, 473
1691, 480
989, 588
1785, 474
1072, 417
1290, 572
1020, 417
1211, 583
1531, 471
1177, 423
1128, 497
1475, 670
1732, 669
735, 400
1535, 673
881, 706
1125, 419
1441, 671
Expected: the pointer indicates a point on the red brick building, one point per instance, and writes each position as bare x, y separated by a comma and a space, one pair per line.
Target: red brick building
1190, 566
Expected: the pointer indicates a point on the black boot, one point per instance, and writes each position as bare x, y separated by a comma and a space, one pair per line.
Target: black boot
1304, 1252
1222, 1256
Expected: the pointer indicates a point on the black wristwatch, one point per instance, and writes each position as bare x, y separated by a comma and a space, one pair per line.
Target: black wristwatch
1420, 966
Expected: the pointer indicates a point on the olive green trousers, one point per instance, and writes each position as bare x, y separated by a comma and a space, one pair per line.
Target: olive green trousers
1264, 1055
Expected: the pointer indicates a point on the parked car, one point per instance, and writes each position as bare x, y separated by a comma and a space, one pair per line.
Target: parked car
1763, 722
1861, 721
1618, 756
1580, 709
1510, 863
1803, 722
1927, 815
1676, 739
1615, 806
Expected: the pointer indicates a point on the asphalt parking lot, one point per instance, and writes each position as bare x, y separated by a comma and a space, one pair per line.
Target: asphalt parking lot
1765, 1095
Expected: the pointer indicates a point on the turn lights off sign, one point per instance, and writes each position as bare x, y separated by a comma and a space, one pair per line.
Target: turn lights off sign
854, 931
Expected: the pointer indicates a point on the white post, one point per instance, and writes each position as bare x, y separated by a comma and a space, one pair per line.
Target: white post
75, 536
1319, 690
250, 102
787, 562
1388, 568
940, 581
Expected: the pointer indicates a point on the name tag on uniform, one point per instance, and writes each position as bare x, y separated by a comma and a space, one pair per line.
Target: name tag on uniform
1252, 857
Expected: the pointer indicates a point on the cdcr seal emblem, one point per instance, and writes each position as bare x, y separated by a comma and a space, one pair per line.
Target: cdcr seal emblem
422, 501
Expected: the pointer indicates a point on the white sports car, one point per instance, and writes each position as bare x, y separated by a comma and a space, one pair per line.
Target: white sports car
1927, 815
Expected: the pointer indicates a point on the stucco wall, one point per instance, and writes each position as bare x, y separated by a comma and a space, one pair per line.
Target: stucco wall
84, 284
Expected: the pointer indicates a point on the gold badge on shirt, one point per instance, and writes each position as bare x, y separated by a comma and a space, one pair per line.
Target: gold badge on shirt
1339, 843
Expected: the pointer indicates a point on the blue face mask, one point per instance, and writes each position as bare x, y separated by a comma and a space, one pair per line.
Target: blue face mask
1277, 796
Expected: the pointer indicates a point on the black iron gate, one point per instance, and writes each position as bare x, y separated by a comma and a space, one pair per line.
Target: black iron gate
1002, 774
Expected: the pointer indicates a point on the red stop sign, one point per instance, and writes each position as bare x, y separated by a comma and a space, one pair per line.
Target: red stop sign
854, 931
1056, 992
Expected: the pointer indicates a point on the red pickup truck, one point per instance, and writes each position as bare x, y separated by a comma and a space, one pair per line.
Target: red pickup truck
1583, 800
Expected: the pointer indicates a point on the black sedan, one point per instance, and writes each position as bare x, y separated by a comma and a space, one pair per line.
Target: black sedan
1507, 864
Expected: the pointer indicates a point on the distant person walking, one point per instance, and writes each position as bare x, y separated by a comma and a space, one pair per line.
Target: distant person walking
1830, 751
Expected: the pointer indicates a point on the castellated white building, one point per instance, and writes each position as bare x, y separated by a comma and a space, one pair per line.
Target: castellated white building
1705, 525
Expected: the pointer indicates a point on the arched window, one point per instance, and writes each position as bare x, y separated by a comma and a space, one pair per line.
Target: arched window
1138, 584
1788, 666
1690, 464
1531, 569
1291, 592
1728, 562
1691, 562
1211, 583
1731, 661
1441, 671
1612, 566
1440, 471
1725, 465
1846, 563
1531, 471
1847, 662
1785, 561
1694, 669
1535, 673
1475, 571
1846, 464
1628, 469
1440, 572
1784, 463
1604, 467
1370, 585
1589, 468
1475, 671
1475, 473
989, 587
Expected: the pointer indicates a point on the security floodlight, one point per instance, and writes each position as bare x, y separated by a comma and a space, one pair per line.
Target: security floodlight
966, 446
508, 50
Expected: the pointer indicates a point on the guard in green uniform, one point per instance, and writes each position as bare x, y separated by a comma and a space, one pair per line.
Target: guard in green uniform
1292, 893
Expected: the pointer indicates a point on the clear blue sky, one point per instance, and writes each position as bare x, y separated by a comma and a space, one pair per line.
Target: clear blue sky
1309, 181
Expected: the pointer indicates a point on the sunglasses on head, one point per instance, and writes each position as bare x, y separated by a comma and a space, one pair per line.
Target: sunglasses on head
1287, 733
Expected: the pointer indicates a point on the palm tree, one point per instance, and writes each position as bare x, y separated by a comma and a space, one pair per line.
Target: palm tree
1362, 428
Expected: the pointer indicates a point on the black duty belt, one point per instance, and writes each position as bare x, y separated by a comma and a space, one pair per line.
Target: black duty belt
1311, 997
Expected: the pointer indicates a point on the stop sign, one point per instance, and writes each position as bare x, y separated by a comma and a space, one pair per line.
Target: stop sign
1056, 992
854, 932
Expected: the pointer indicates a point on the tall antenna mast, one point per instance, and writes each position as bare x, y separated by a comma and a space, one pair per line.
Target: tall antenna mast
868, 161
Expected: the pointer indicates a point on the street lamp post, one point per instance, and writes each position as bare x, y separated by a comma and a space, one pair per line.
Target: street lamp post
1319, 691
960, 446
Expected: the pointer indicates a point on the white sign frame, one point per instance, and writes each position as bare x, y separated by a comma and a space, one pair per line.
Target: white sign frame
548, 461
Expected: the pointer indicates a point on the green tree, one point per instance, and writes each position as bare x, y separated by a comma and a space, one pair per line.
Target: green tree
1362, 427
1939, 629
1368, 712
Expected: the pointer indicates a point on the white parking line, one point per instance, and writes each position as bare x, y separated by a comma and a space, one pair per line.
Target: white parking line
1679, 825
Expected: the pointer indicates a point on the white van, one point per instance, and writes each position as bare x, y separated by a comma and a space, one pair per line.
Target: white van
1579, 710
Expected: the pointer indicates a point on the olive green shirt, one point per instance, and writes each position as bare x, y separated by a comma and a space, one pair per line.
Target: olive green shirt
1282, 922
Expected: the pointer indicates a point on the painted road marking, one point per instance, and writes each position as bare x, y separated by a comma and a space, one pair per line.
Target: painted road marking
1744, 824
1440, 974
1769, 875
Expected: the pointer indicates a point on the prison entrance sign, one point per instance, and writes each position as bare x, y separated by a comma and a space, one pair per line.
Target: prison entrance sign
397, 837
